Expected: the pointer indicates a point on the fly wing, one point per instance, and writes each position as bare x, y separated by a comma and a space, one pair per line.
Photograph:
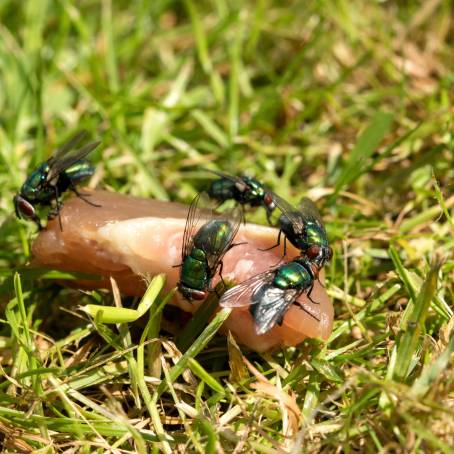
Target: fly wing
271, 304
242, 294
60, 163
69, 145
310, 211
239, 183
292, 213
234, 218
200, 212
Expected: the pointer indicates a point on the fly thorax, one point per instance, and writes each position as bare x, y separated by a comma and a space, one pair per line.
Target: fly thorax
254, 194
29, 192
32, 189
291, 275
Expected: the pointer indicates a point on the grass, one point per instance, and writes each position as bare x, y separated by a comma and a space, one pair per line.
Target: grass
350, 103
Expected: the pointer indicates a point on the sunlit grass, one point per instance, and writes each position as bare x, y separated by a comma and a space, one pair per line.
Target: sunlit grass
349, 103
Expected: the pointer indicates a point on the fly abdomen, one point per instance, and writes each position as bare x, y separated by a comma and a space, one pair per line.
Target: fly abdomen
80, 171
194, 270
222, 190
74, 175
213, 236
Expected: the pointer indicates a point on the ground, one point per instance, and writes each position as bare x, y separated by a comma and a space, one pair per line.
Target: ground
350, 103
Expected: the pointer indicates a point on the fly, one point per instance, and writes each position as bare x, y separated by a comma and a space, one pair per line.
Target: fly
269, 295
206, 239
62, 171
244, 190
304, 229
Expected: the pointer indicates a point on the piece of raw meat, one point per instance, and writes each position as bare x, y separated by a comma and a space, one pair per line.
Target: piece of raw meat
129, 238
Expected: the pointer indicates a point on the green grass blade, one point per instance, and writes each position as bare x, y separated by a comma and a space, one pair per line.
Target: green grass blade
108, 32
433, 371
203, 52
410, 336
103, 314
403, 273
197, 322
198, 370
198, 345
366, 145
211, 128
234, 91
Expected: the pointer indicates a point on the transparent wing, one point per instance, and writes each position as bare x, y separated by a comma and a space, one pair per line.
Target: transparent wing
69, 145
310, 211
240, 184
234, 217
271, 304
242, 294
63, 162
200, 212
292, 213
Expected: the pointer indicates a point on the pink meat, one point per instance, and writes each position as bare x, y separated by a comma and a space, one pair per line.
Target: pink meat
129, 238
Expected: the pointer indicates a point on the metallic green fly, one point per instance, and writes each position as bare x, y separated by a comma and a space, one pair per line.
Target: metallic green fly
206, 239
62, 171
269, 295
304, 229
244, 190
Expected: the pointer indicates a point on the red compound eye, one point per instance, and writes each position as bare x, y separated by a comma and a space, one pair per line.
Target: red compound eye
268, 199
25, 208
313, 251
199, 294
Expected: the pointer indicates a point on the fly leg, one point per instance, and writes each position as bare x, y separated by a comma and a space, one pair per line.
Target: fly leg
268, 216
269, 207
58, 208
278, 244
37, 221
82, 196
243, 216
296, 303
215, 289
309, 295
235, 244
221, 267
